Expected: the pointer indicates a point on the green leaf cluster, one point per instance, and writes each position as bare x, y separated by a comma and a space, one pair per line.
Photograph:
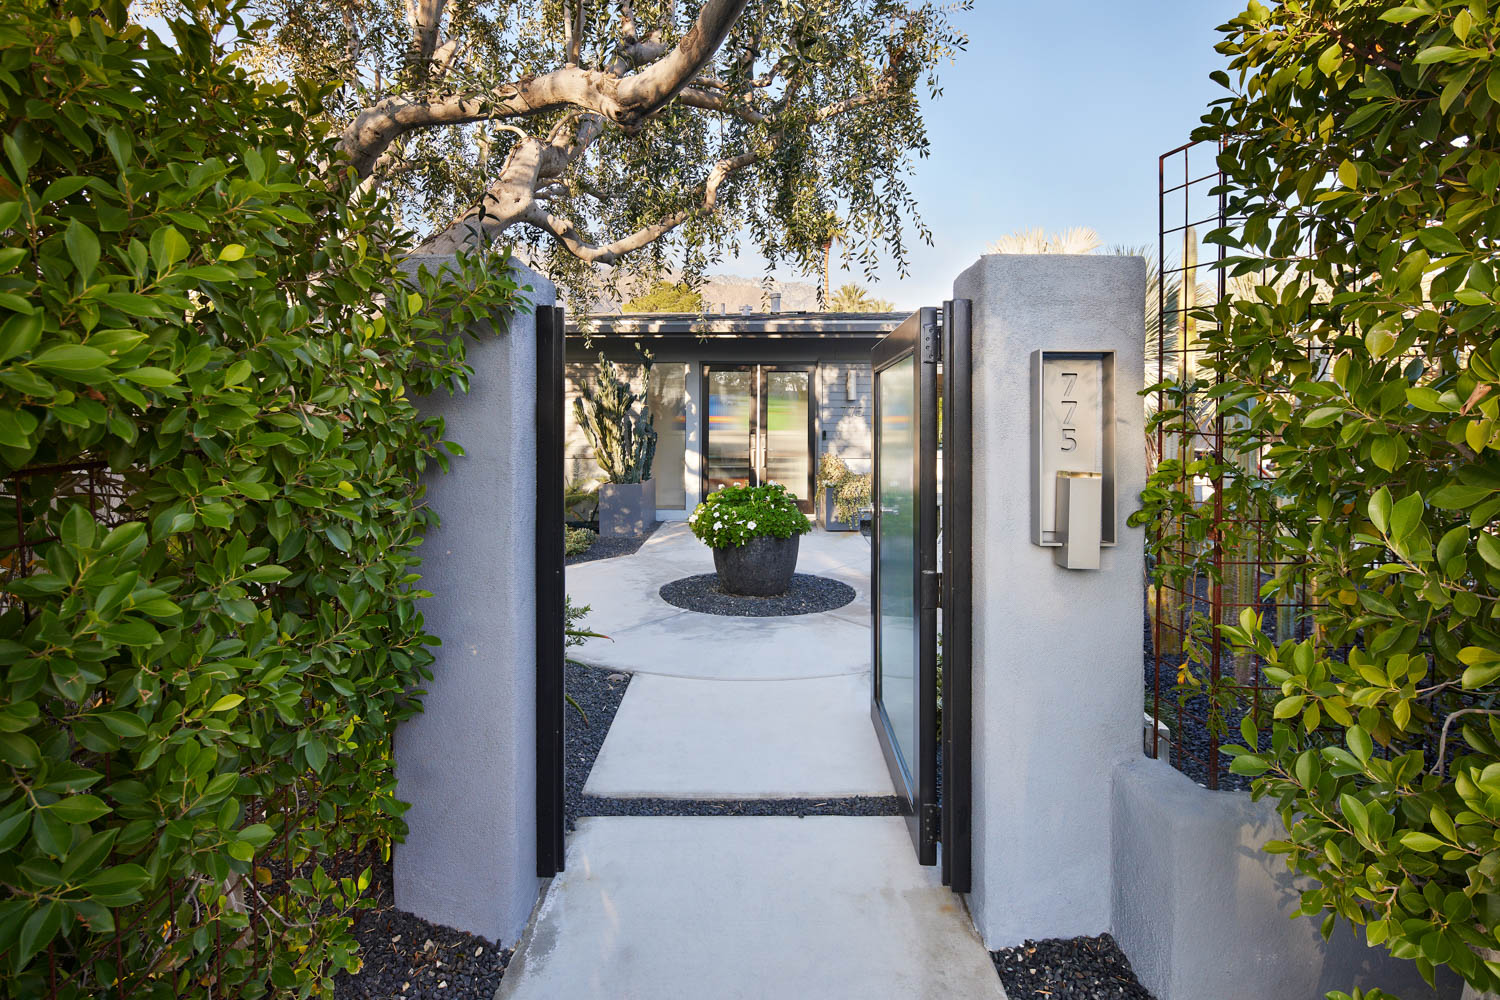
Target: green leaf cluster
731, 516
208, 445
1356, 374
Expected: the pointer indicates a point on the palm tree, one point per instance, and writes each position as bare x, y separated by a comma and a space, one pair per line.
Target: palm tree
854, 299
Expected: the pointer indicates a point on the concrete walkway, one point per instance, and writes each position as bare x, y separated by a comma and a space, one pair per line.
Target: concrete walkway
648, 635
724, 908
695, 739
711, 907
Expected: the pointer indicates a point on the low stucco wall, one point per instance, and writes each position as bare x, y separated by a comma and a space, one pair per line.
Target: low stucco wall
467, 763
1204, 914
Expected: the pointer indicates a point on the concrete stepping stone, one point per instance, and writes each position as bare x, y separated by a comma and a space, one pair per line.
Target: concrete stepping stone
748, 908
706, 739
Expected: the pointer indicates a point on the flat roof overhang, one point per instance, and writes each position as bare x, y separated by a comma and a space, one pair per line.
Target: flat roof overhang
794, 326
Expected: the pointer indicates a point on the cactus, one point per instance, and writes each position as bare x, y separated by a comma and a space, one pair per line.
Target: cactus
618, 425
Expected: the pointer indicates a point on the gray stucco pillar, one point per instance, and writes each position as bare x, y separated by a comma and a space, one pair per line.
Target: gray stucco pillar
467, 764
1057, 654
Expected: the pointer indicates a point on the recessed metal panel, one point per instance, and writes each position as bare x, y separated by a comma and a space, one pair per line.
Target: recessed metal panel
1073, 421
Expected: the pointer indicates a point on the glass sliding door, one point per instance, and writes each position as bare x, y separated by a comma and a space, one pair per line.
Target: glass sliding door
668, 401
758, 428
786, 458
732, 402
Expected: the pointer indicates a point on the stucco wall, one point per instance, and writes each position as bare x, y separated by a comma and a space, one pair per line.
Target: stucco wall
1057, 657
467, 764
1204, 914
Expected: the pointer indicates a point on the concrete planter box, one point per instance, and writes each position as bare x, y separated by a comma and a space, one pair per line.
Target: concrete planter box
1201, 909
762, 567
830, 519
627, 509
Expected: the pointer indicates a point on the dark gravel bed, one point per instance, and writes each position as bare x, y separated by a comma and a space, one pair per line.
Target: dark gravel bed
806, 595
598, 692
407, 957
1082, 968
862, 805
608, 548
1191, 738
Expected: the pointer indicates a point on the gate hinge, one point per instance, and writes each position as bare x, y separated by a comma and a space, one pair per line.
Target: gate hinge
932, 344
932, 589
932, 822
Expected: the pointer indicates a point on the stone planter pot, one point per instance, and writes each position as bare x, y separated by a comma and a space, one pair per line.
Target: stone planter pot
627, 509
762, 567
830, 519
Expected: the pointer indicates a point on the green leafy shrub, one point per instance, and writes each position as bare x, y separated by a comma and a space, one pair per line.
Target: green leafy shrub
577, 541
1359, 359
732, 516
208, 446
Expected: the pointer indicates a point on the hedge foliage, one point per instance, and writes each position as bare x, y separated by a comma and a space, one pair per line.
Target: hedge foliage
208, 354
1358, 358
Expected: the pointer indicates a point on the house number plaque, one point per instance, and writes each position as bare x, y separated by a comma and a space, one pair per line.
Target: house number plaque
1072, 453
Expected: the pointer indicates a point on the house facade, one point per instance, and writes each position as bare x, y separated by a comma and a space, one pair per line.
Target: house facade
749, 398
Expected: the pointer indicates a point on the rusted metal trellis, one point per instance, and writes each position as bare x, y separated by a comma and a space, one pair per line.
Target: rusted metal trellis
1222, 554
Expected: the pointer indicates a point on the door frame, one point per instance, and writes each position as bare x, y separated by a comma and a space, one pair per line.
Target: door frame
759, 416
917, 338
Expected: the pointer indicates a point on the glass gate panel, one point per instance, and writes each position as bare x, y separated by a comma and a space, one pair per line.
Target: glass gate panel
731, 432
904, 578
897, 526
787, 454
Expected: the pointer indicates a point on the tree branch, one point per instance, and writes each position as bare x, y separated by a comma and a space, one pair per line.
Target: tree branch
649, 91
566, 232
534, 167
423, 19
695, 98
627, 100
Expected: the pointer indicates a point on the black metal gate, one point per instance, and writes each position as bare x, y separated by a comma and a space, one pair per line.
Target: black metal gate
920, 705
550, 592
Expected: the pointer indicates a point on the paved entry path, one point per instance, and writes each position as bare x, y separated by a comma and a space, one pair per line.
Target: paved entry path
711, 907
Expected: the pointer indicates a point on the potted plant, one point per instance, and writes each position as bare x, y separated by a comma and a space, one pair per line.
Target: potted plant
845, 493
754, 532
617, 423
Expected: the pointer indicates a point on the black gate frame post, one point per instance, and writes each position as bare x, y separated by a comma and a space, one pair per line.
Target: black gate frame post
957, 594
550, 591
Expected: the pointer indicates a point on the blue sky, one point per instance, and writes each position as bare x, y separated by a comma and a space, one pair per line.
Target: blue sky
1054, 117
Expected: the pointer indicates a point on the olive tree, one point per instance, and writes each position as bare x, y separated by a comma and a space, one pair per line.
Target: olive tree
632, 130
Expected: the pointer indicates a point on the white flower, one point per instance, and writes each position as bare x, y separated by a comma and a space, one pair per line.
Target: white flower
751, 525
718, 525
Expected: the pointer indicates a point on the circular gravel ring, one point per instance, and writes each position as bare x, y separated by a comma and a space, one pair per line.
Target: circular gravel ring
807, 595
